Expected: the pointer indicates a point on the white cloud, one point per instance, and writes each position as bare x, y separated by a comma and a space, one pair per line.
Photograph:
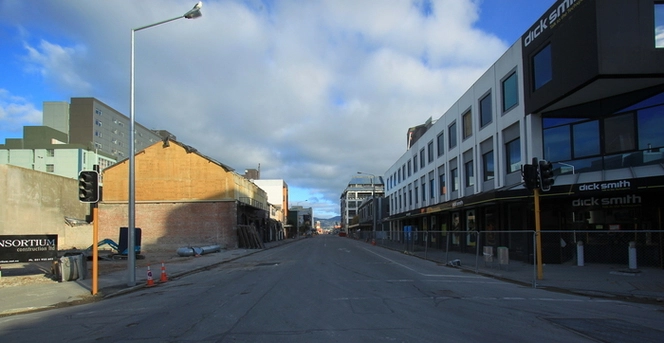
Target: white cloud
58, 65
313, 91
16, 112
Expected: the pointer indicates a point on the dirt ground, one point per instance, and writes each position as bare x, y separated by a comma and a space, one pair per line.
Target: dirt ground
20, 274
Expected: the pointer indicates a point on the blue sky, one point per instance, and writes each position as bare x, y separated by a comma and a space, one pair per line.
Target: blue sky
313, 91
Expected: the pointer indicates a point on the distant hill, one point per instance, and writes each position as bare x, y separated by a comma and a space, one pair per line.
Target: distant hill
328, 223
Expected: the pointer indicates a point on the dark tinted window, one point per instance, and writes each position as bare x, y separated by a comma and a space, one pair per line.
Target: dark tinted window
542, 68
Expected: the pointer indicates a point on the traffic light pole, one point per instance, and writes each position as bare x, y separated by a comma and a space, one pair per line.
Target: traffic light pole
95, 248
538, 235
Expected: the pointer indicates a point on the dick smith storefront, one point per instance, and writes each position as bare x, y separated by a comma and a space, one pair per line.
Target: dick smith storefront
605, 216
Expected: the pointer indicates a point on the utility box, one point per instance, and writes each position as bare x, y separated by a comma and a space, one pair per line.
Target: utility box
70, 268
503, 256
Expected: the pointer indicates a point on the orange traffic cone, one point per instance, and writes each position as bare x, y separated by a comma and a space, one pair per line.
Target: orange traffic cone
164, 277
150, 281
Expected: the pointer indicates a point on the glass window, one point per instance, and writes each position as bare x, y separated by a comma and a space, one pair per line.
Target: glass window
441, 144
557, 144
415, 163
422, 158
409, 168
416, 196
513, 155
424, 190
486, 115
651, 122
586, 139
510, 88
441, 179
455, 179
487, 166
432, 188
470, 174
619, 133
430, 151
467, 125
551, 122
542, 68
452, 136
659, 25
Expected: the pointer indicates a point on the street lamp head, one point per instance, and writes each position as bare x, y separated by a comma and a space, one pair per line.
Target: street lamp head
194, 12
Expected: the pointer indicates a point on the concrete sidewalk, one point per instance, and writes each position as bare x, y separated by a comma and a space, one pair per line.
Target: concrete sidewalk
595, 280
42, 296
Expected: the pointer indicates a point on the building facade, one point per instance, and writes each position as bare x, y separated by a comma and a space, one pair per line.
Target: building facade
360, 188
183, 198
583, 88
277, 196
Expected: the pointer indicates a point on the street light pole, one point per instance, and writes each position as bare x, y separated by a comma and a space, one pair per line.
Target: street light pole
193, 13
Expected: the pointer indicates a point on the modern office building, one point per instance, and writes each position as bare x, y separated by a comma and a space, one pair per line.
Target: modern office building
90, 121
360, 188
583, 88
76, 136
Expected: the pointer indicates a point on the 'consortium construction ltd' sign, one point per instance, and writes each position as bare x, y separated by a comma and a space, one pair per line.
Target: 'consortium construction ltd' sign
28, 248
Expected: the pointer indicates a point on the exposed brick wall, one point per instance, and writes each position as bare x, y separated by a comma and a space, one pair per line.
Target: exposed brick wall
168, 226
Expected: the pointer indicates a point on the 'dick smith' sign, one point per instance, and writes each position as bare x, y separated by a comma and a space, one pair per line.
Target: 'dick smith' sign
550, 19
28, 248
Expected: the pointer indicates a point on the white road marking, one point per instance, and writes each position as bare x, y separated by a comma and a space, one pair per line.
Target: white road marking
426, 275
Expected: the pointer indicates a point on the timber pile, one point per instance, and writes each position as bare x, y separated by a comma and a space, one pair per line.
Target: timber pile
248, 237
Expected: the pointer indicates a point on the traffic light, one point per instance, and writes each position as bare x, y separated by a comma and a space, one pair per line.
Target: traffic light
545, 175
529, 175
88, 186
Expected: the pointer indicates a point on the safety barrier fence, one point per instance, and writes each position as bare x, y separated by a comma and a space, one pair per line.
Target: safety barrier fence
513, 255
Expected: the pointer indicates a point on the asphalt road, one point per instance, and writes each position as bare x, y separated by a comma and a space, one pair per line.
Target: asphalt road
332, 289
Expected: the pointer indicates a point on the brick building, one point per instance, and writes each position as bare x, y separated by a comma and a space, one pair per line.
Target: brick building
183, 198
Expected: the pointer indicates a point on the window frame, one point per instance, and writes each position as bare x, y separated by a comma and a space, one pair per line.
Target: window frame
510, 89
469, 173
467, 124
484, 105
452, 136
508, 155
440, 142
488, 173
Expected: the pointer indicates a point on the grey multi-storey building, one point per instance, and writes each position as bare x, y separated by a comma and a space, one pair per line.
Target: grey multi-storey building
76, 136
583, 88
361, 188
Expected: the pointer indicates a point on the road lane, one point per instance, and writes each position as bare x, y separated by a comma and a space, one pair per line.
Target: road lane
332, 289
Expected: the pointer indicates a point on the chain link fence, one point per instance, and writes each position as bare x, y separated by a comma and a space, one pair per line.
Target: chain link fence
513, 253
